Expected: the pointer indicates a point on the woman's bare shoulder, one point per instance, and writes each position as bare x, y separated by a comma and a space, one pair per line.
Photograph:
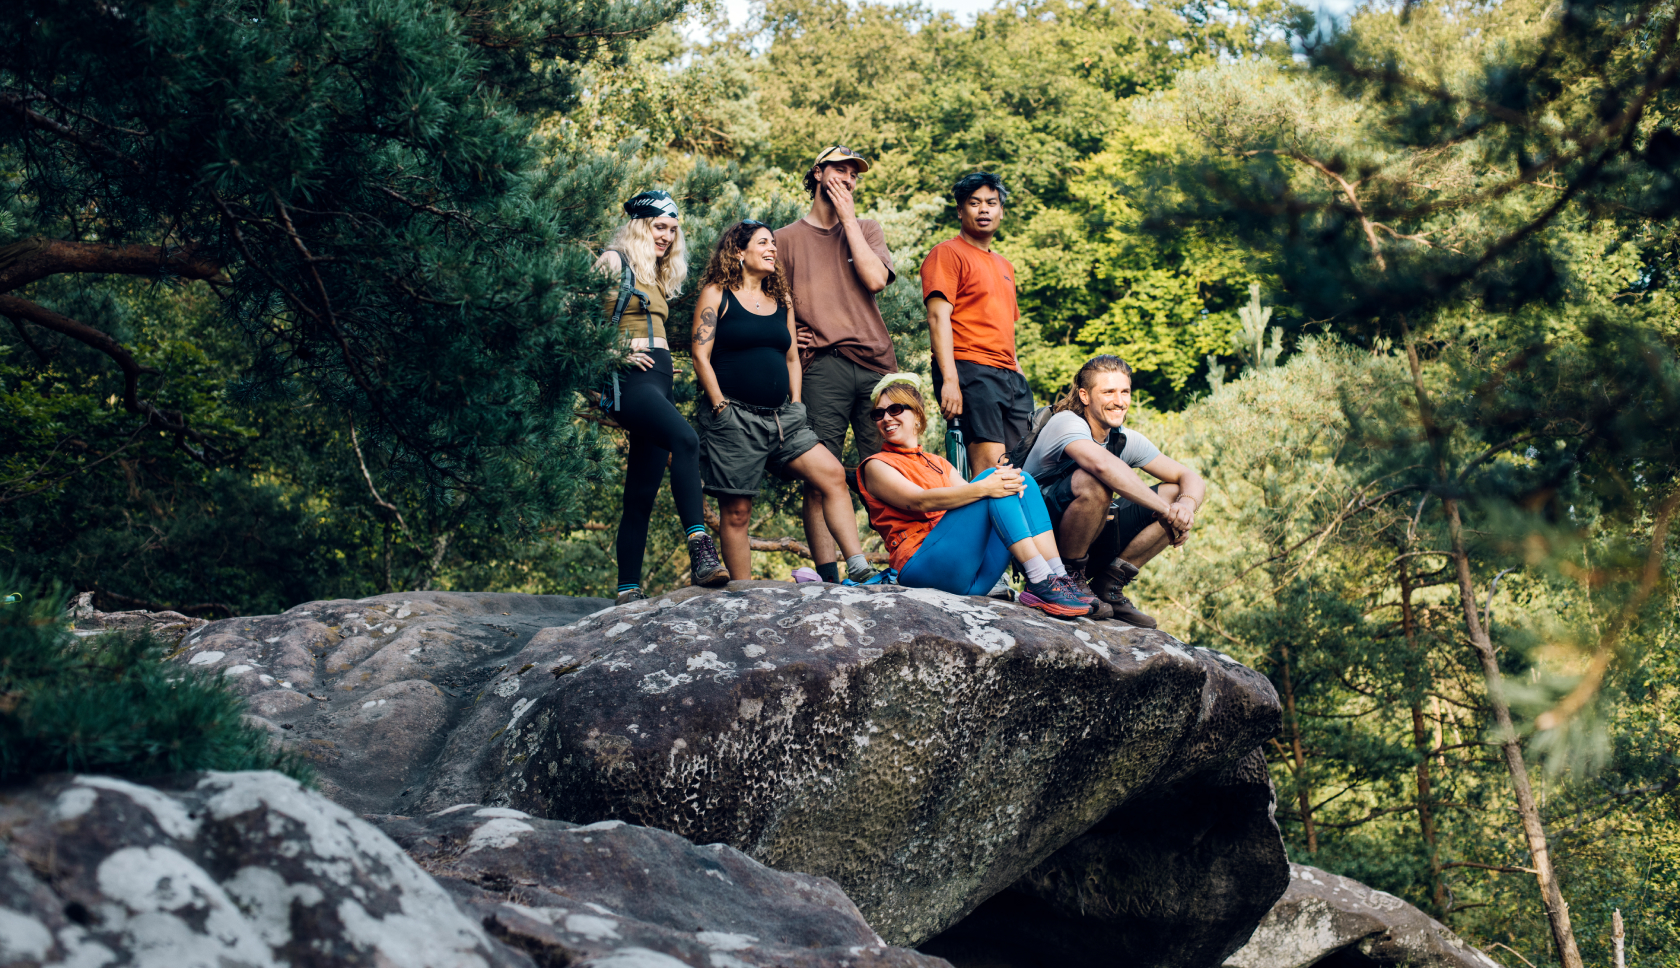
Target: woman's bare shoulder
610, 262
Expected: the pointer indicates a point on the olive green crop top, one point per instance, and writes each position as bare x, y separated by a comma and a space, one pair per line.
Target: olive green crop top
634, 323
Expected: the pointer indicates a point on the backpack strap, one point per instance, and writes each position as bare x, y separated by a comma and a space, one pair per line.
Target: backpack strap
626, 289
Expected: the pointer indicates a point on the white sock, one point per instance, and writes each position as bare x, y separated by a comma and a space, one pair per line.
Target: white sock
858, 568
1056, 566
1037, 569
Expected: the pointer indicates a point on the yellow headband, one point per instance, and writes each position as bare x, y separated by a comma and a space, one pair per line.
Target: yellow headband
913, 379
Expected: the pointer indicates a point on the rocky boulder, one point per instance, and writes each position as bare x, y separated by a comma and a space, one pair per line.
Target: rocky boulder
1179, 876
1325, 919
85, 620
924, 750
230, 869
369, 690
566, 894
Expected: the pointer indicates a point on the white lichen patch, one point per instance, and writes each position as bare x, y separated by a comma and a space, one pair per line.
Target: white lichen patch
544, 915
161, 901
207, 657
500, 834
457, 807
725, 940
503, 812
507, 687
22, 938
977, 619
74, 802
267, 901
661, 681
168, 812
592, 927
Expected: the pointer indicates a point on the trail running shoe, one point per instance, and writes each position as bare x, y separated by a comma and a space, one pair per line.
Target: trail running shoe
705, 567
1075, 582
886, 576
630, 595
1002, 589
1053, 598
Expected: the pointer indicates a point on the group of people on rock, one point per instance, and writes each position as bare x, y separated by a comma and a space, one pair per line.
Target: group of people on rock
791, 351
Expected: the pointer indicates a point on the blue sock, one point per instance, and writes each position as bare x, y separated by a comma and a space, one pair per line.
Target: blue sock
697, 529
629, 587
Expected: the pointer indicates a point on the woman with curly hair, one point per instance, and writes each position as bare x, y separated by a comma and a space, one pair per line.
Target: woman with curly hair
748, 364
651, 244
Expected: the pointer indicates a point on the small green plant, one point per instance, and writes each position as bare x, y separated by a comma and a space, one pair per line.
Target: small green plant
110, 704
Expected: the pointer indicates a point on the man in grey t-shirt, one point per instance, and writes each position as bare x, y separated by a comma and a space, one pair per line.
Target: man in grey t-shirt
1108, 523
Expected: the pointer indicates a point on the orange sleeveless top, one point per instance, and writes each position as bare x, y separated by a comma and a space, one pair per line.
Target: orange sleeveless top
903, 531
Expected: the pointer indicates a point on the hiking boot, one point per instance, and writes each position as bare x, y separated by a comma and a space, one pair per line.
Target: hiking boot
1109, 587
630, 595
705, 567
1053, 597
1075, 582
1002, 589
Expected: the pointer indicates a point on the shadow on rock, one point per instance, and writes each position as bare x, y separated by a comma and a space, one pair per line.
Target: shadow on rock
1179, 878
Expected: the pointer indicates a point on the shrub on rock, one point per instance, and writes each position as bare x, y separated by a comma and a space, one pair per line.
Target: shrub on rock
109, 704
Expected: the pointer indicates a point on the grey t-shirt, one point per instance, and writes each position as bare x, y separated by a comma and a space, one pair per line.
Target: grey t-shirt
1065, 428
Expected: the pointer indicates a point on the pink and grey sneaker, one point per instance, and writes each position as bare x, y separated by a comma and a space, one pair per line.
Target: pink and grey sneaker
1053, 597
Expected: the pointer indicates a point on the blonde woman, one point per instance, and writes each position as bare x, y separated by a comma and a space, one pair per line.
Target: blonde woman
651, 243
956, 536
747, 360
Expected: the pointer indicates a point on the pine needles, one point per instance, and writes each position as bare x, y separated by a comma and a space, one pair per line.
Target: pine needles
110, 704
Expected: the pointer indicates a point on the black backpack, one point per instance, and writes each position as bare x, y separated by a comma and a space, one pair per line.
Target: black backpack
1017, 454
626, 288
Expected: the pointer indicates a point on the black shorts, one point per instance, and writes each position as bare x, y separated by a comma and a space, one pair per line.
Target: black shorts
1129, 519
997, 403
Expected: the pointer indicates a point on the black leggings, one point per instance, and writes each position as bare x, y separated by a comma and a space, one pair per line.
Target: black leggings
657, 433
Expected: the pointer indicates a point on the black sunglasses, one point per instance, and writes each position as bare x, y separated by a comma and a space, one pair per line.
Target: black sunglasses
890, 410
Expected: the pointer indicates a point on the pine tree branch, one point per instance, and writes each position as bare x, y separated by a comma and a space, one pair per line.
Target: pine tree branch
17, 105
34, 259
168, 421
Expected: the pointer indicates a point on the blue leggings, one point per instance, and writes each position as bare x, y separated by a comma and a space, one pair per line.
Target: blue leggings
967, 551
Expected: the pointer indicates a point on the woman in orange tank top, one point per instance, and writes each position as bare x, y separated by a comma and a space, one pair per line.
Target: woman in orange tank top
943, 533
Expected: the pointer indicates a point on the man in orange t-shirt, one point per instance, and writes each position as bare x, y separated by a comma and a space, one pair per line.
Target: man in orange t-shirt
969, 291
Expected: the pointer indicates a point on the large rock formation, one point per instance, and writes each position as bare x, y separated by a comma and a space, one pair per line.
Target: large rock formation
1179, 876
924, 750
229, 869
369, 690
566, 893
1325, 919
241, 870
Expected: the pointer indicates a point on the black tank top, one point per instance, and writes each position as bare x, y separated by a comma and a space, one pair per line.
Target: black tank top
750, 353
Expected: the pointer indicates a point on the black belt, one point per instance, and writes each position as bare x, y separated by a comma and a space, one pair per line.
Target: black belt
761, 411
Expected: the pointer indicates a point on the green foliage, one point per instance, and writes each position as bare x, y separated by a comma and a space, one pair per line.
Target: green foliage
110, 704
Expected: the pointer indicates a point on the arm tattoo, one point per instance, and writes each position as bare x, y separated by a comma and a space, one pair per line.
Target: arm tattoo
708, 326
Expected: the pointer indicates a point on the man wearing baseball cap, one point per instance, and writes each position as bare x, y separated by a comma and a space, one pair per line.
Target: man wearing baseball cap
837, 263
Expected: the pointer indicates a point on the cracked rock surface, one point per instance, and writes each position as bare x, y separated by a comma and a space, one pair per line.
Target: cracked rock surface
368, 690
565, 894
923, 750
1325, 917
238, 870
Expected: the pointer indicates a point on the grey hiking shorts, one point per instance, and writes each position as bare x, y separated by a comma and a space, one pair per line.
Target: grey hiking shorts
737, 444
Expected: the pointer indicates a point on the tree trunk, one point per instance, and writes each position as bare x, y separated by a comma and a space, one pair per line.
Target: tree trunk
1420, 739
1303, 790
1557, 912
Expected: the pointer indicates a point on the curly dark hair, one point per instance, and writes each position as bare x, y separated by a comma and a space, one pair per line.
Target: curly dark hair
724, 267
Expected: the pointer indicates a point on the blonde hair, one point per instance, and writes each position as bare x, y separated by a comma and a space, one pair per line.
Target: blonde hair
902, 391
635, 240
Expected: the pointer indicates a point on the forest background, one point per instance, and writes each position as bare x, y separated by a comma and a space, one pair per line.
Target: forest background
1402, 292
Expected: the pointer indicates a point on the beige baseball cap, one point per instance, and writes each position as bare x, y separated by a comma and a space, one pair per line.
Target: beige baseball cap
837, 153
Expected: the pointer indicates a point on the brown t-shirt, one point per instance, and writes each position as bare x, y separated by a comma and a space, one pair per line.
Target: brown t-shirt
828, 297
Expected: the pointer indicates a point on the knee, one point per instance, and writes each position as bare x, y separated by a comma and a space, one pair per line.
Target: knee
1086, 486
735, 515
685, 441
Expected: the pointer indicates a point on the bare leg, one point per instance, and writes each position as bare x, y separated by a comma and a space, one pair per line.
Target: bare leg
1154, 539
827, 479
735, 514
983, 454
1024, 550
816, 528
1085, 514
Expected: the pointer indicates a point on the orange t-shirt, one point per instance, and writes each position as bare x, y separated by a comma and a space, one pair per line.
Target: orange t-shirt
980, 286
902, 531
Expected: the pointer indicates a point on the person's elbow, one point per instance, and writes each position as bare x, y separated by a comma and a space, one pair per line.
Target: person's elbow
876, 283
